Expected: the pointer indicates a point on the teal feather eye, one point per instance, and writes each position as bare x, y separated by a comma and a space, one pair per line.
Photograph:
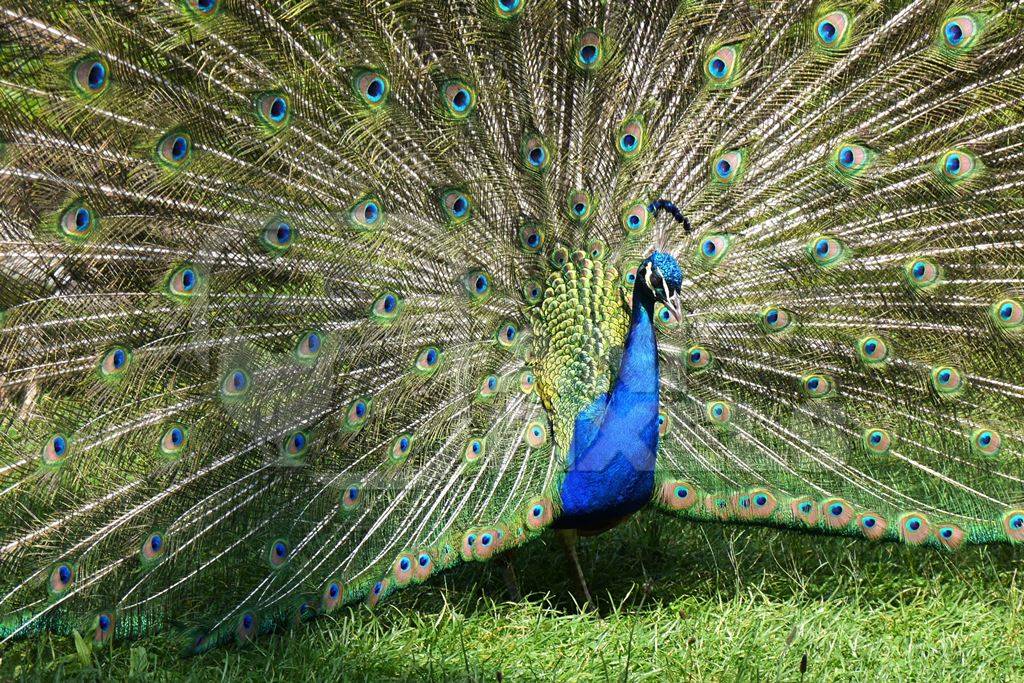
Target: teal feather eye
588, 53
400, 448
804, 510
351, 496
826, 251
459, 99
357, 413
950, 536
308, 347
235, 384
629, 139
914, 528
872, 525
366, 213
204, 8
277, 553
1013, 524
506, 9
539, 513
872, 350
477, 284
55, 450
527, 381
836, 513
959, 33
664, 317
721, 66
922, 273
331, 596
474, 450
774, 319
91, 76
536, 434
184, 283
833, 30
986, 442
61, 577
718, 412
273, 110
629, 278
115, 361
427, 361
535, 153
174, 440
153, 548
457, 206
559, 257
295, 445
877, 441
851, 159
278, 235
531, 238
713, 248
78, 221
727, 167
597, 249
817, 385
580, 205
386, 308
103, 628
402, 569
957, 166
532, 292
664, 423
635, 217
507, 334
371, 87
698, 358
1008, 314
488, 387
174, 149
946, 381
423, 566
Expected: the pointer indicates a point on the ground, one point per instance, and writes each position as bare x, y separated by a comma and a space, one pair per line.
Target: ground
677, 601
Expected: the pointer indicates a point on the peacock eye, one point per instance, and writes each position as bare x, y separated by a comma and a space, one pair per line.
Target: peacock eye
90, 77
713, 248
174, 439
77, 221
507, 334
536, 434
956, 166
630, 139
946, 381
960, 32
184, 282
816, 385
986, 442
831, 30
825, 251
531, 237
174, 149
114, 361
507, 9
273, 110
922, 273
372, 87
535, 153
635, 217
775, 319
386, 308
459, 99
580, 205
235, 384
203, 7
877, 441
720, 66
278, 235
428, 360
1008, 314
366, 213
589, 50
457, 206
850, 159
872, 350
726, 167
55, 450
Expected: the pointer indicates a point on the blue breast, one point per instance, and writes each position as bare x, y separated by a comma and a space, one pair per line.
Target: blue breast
615, 441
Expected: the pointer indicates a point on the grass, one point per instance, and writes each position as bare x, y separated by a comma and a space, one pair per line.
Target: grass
676, 601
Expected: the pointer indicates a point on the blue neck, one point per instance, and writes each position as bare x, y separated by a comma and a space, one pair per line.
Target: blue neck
611, 464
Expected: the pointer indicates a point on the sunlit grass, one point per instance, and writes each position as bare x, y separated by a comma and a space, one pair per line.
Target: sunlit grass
676, 602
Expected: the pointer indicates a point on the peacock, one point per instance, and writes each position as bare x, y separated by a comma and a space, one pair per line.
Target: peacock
306, 302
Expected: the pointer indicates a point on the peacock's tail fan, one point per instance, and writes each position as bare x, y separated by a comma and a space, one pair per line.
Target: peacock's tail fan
300, 299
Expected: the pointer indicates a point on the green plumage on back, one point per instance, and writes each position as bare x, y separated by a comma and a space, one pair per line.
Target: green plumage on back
299, 302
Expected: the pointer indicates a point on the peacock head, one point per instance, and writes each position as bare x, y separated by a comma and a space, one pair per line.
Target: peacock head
661, 275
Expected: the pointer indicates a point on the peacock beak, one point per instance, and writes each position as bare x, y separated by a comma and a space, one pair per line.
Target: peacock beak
675, 306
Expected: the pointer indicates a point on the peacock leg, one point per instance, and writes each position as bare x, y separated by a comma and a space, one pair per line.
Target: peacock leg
508, 572
569, 537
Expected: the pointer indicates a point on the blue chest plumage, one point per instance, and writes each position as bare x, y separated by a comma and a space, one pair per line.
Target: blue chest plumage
615, 441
